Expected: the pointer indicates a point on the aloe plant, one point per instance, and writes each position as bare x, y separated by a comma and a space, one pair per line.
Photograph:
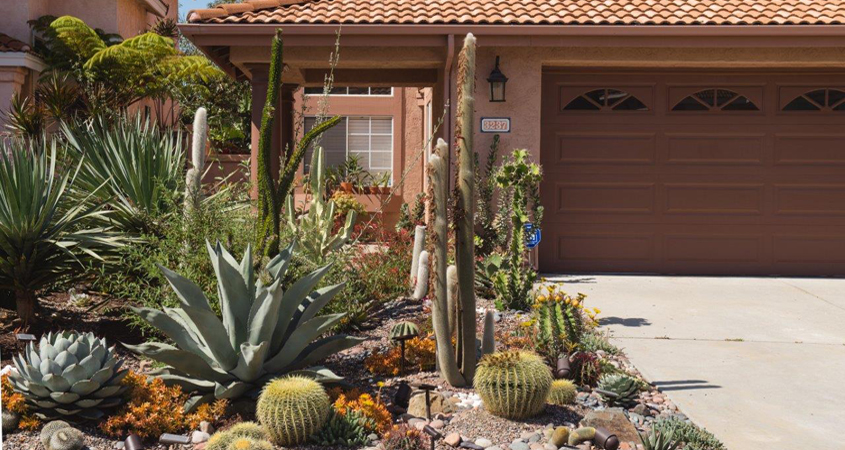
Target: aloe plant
266, 330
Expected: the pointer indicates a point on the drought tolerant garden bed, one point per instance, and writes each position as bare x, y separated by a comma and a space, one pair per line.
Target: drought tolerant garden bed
152, 311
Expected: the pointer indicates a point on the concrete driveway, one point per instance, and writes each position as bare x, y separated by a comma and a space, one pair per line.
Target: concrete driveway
760, 362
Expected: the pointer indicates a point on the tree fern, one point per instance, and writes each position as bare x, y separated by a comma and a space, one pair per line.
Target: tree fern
77, 36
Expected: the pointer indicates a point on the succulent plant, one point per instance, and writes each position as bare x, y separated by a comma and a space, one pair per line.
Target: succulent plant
292, 409
659, 440
586, 368
70, 376
266, 331
404, 330
247, 443
692, 437
625, 387
59, 435
513, 384
562, 393
10, 420
221, 440
582, 434
347, 430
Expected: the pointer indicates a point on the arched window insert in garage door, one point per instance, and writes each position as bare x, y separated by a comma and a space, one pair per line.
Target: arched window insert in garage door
606, 100
715, 100
818, 100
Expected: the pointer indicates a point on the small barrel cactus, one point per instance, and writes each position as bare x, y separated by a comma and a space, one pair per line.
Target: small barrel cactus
10, 421
513, 384
292, 409
563, 393
247, 443
404, 330
625, 387
70, 376
59, 435
221, 440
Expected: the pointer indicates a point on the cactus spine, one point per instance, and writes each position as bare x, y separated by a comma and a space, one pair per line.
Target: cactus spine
419, 244
488, 340
421, 289
513, 384
193, 180
292, 409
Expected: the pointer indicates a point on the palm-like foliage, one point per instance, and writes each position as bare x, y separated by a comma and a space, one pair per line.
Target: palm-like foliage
44, 233
265, 330
137, 164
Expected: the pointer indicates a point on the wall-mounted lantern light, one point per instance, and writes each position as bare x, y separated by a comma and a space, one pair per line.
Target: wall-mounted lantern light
497, 82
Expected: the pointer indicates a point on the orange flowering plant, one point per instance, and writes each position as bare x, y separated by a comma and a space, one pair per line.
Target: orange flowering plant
368, 407
419, 354
154, 408
16, 403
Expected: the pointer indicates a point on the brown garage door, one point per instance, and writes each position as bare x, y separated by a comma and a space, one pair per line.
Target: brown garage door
699, 173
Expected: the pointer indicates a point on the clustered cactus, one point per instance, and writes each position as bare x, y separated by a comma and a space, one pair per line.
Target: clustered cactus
513, 384
71, 375
315, 227
223, 440
347, 430
559, 320
266, 331
625, 387
59, 435
562, 393
292, 409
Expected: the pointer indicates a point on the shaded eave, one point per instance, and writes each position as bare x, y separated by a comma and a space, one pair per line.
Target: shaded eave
216, 39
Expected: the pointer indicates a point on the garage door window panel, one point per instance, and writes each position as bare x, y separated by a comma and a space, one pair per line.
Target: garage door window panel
606, 99
716, 100
818, 100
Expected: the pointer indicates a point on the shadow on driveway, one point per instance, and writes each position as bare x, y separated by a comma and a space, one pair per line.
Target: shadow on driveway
629, 322
684, 385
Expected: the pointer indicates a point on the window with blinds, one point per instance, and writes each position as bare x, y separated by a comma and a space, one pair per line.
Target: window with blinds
370, 138
382, 91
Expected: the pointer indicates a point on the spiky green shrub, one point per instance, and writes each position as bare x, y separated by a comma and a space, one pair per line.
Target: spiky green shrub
315, 228
691, 436
292, 409
562, 393
221, 440
137, 164
71, 376
513, 384
659, 440
266, 330
404, 330
347, 430
625, 387
45, 234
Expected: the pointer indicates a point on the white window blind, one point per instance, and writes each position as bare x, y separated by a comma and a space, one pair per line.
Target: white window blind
370, 138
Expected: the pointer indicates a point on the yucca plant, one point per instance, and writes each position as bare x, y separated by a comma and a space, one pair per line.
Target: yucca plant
266, 330
138, 165
45, 234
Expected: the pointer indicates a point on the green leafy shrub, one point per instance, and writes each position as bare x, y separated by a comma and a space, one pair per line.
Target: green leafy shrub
514, 385
72, 376
691, 436
46, 236
292, 409
266, 330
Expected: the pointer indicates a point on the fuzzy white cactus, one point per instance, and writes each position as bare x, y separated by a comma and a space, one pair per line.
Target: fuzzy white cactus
193, 180
421, 289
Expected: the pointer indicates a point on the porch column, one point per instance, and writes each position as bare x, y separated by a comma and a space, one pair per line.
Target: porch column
285, 113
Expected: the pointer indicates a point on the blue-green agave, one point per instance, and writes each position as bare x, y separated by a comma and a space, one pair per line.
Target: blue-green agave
265, 331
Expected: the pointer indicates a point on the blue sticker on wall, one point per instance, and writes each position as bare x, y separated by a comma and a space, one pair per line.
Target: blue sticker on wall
533, 235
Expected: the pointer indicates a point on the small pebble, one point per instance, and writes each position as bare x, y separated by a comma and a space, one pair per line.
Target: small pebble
483, 442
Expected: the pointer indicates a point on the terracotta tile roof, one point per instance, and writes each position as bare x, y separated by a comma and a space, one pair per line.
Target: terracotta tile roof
524, 12
10, 44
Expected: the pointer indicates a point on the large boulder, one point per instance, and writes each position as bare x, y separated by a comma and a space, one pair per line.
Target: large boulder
613, 420
439, 404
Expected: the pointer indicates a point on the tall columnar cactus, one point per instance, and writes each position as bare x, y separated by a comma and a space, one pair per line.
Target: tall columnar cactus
193, 180
488, 340
292, 409
421, 289
315, 228
464, 222
271, 194
513, 384
419, 244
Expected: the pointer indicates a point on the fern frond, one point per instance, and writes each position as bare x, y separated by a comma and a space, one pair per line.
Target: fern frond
77, 36
189, 69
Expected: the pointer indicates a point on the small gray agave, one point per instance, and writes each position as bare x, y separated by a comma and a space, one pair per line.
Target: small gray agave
70, 376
